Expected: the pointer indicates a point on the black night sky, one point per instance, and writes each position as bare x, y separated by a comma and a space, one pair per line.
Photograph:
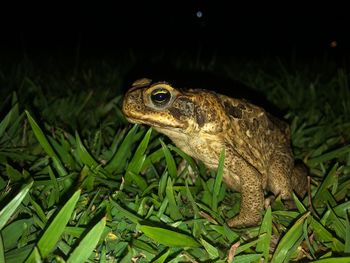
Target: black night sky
236, 29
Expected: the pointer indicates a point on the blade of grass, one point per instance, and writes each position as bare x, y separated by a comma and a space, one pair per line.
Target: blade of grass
14, 231
173, 208
162, 257
327, 182
162, 184
342, 209
211, 250
6, 120
123, 152
196, 226
45, 144
347, 235
246, 258
329, 156
40, 136
11, 207
333, 260
63, 152
54, 231
13, 174
84, 155
325, 236
132, 217
82, 252
218, 180
263, 244
19, 254
168, 237
246, 246
136, 163
188, 159
169, 160
290, 240
143, 246
2, 251
337, 224
153, 157
299, 205
307, 240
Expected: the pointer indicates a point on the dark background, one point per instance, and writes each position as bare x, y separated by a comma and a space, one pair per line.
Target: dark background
106, 29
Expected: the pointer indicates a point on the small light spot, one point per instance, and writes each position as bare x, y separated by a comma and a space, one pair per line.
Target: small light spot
333, 44
248, 133
199, 14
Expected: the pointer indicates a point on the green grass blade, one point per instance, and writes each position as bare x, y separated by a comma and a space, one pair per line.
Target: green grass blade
143, 246
174, 209
136, 163
54, 231
38, 210
289, 241
249, 258
162, 258
211, 250
347, 235
139, 181
329, 156
300, 206
328, 181
63, 152
84, 155
230, 234
132, 217
14, 231
196, 226
153, 158
19, 254
141, 149
337, 224
40, 136
89, 242
123, 152
5, 122
218, 181
168, 237
45, 144
246, 246
169, 161
324, 235
13, 174
333, 260
2, 250
11, 207
342, 209
162, 184
263, 244
188, 159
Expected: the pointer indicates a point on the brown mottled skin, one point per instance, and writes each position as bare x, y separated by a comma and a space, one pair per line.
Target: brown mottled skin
258, 155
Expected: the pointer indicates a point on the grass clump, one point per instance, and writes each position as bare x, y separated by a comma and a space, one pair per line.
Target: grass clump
79, 184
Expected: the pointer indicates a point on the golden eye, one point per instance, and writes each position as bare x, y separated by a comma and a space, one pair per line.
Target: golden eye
160, 96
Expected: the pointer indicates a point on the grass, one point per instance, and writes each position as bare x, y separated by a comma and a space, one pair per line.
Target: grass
79, 184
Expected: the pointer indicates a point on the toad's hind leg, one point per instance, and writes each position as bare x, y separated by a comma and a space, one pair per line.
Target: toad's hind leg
252, 196
279, 175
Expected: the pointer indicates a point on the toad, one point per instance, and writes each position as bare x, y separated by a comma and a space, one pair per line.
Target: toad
202, 123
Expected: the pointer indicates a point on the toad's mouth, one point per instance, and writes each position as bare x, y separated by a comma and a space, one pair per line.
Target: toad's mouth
165, 124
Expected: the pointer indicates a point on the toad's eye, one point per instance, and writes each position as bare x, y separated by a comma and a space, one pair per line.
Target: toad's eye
160, 96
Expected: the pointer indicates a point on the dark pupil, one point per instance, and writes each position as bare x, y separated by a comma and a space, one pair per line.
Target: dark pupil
160, 96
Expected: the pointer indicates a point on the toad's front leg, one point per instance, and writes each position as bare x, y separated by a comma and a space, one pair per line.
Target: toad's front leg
252, 197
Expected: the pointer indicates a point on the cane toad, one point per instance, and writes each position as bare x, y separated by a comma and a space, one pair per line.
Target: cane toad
202, 123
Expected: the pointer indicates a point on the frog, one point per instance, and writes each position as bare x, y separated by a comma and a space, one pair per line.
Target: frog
258, 156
